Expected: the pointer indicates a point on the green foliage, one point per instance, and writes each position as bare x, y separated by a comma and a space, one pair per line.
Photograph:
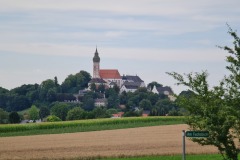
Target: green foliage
73, 83
34, 113
76, 113
100, 112
215, 110
152, 84
14, 117
3, 116
88, 101
53, 118
145, 104
111, 111
93, 87
43, 112
60, 110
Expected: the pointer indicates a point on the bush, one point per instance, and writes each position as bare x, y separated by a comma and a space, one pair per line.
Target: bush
53, 118
76, 114
14, 117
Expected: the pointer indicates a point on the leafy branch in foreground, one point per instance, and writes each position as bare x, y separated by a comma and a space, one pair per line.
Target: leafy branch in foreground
216, 109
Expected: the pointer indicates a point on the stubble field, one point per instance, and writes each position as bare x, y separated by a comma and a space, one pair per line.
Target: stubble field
157, 140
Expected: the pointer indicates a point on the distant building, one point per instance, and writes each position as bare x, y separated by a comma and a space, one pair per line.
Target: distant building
100, 102
118, 115
131, 83
111, 77
164, 90
108, 75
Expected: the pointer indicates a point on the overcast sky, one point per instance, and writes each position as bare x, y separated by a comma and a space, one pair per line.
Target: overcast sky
41, 39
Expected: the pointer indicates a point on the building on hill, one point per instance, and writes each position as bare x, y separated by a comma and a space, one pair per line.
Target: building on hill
108, 75
111, 77
131, 83
100, 102
166, 91
131, 78
130, 86
96, 65
97, 82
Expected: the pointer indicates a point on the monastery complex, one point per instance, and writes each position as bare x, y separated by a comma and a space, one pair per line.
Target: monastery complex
111, 77
127, 83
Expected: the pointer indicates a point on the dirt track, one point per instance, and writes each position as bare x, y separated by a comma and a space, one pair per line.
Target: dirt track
137, 141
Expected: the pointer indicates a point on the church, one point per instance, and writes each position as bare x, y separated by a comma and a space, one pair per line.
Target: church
111, 77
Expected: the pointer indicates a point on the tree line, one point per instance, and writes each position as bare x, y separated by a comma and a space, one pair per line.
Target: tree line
52, 98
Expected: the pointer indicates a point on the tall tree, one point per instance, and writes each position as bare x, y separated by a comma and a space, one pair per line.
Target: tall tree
33, 113
216, 109
3, 116
152, 84
43, 112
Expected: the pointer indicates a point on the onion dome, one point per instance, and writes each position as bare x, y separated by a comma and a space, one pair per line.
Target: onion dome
96, 58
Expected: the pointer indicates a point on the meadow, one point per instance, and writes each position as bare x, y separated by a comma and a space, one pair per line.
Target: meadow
85, 125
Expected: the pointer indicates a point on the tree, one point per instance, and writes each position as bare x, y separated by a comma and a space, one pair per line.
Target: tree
14, 117
145, 104
76, 114
152, 84
60, 110
73, 83
43, 112
33, 113
88, 102
18, 103
3, 116
100, 112
47, 90
101, 88
93, 87
215, 109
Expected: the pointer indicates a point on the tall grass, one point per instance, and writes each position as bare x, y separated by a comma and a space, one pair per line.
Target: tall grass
85, 125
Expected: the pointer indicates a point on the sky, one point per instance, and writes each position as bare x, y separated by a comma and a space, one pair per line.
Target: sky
41, 39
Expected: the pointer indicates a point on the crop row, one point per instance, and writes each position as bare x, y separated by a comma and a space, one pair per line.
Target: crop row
85, 123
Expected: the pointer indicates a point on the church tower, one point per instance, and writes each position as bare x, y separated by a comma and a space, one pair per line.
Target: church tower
96, 65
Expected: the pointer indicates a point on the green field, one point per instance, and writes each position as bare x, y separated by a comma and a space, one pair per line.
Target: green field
85, 125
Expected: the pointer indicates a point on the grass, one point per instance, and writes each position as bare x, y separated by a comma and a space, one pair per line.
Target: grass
85, 125
173, 157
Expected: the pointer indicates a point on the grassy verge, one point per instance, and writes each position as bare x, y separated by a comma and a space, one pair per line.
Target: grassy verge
174, 157
85, 125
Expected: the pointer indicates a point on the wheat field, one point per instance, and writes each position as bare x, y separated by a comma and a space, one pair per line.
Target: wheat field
157, 140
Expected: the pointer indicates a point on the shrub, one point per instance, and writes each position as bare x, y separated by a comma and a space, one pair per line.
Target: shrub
53, 118
14, 117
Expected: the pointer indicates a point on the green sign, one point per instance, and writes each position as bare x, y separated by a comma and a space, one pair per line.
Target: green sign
197, 134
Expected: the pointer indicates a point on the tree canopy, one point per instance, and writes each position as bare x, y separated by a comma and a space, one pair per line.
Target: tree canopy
215, 109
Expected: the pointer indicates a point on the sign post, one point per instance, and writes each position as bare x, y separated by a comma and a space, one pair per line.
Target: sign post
192, 134
184, 146
197, 134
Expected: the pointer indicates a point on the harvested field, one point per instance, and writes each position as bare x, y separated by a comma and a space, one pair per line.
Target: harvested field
157, 140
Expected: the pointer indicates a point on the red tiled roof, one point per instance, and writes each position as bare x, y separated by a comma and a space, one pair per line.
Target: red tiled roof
109, 74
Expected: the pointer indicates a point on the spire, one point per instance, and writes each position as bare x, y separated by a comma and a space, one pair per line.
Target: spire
96, 58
